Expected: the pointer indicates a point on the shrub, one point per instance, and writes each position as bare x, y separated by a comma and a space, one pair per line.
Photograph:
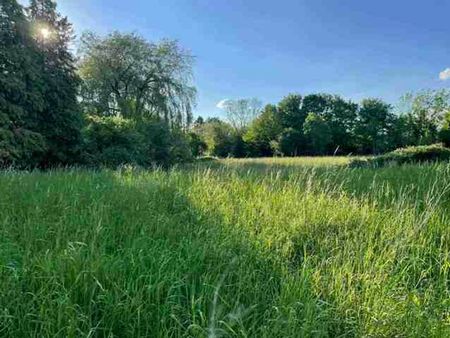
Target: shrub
114, 141
197, 144
419, 154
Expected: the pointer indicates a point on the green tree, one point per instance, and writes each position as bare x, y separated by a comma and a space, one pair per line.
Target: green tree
197, 144
444, 133
127, 75
219, 137
21, 95
319, 104
317, 133
426, 111
373, 125
291, 142
265, 129
60, 121
341, 116
291, 113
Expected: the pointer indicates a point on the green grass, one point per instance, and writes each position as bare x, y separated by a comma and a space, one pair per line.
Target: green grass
240, 248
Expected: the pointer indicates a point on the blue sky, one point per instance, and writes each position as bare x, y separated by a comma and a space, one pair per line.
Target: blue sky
267, 49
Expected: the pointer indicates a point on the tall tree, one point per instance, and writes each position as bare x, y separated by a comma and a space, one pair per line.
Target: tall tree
60, 121
240, 113
374, 122
291, 113
317, 133
218, 135
126, 75
426, 111
265, 129
21, 97
341, 117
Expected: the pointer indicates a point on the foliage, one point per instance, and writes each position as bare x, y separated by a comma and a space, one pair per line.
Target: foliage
444, 133
426, 111
127, 75
291, 113
219, 137
416, 154
263, 130
113, 140
317, 132
197, 144
374, 122
240, 113
291, 142
40, 123
21, 96
60, 120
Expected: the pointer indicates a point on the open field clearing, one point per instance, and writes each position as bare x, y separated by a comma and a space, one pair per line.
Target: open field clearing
240, 248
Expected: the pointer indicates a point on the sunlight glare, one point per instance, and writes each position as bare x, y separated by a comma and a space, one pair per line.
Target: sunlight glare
45, 33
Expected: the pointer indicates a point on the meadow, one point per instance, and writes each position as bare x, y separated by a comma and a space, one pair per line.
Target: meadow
236, 248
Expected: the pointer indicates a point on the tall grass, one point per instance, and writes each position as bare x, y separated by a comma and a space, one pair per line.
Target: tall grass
244, 250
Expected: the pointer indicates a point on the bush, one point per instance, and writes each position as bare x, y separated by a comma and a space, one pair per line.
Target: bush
115, 141
419, 154
197, 144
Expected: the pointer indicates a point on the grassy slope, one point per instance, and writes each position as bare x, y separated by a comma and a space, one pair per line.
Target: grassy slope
247, 248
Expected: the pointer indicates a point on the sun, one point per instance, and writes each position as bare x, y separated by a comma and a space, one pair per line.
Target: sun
45, 32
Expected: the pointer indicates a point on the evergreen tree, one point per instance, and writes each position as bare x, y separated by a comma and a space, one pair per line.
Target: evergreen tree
21, 97
60, 121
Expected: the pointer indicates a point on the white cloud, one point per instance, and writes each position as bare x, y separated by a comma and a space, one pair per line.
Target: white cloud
222, 104
445, 74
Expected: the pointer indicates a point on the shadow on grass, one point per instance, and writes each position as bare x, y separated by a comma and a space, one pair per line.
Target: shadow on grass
102, 254
131, 254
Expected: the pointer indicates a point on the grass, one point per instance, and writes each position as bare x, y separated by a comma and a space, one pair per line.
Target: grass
240, 248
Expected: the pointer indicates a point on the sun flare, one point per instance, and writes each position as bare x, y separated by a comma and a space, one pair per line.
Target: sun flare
45, 32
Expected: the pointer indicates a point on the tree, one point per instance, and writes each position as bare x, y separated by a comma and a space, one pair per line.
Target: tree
318, 133
241, 112
60, 121
341, 117
126, 75
219, 137
197, 144
444, 133
426, 111
374, 122
291, 113
21, 96
265, 129
290, 142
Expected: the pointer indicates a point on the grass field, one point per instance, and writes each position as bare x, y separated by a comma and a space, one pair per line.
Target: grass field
240, 248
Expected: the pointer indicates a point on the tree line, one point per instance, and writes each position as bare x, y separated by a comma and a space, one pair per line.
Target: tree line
324, 124
121, 99
124, 99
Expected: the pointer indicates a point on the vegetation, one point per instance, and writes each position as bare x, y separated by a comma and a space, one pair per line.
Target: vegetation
258, 247
135, 96
123, 73
40, 124
433, 153
323, 124
244, 248
138, 96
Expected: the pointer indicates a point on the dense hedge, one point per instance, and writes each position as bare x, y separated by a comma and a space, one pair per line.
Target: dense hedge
419, 154
113, 141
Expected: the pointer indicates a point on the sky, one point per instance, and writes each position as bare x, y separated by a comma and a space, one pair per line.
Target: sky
270, 48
